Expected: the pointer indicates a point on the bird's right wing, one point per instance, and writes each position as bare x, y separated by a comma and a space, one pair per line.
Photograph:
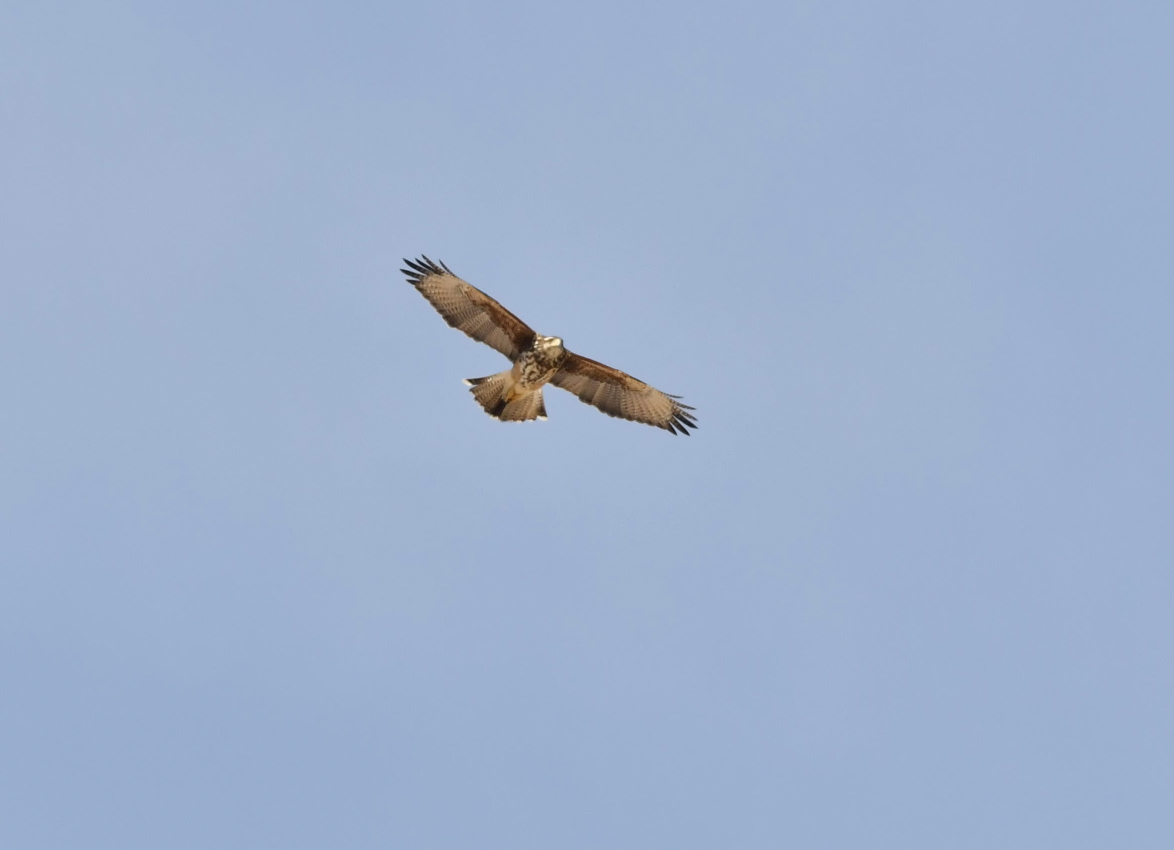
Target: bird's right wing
468, 309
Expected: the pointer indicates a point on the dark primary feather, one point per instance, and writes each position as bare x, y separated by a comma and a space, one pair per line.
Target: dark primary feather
467, 308
618, 394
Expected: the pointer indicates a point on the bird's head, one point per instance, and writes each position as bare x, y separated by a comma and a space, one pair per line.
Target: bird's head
550, 343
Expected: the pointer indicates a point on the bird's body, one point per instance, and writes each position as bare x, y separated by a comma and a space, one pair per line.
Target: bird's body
515, 395
537, 365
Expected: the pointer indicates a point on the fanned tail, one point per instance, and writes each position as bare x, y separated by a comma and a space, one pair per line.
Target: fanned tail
500, 396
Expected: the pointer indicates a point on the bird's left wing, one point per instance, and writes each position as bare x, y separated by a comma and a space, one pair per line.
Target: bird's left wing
468, 309
619, 394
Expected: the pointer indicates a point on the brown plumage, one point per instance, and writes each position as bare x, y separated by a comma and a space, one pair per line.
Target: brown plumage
516, 394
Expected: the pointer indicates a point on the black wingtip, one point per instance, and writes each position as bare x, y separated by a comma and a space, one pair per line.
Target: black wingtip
681, 419
421, 268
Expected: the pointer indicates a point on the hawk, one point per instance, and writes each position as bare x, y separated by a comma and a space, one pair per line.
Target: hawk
515, 395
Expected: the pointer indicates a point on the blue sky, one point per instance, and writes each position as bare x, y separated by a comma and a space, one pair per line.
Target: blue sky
271, 578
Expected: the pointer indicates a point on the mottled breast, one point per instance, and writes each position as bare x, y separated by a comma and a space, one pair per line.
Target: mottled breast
537, 364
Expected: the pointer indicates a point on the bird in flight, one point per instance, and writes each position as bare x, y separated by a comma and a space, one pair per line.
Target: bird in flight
515, 395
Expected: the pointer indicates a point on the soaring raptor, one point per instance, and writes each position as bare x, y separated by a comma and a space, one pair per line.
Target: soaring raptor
515, 395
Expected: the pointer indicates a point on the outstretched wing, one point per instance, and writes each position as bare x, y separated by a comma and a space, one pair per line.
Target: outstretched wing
468, 309
619, 394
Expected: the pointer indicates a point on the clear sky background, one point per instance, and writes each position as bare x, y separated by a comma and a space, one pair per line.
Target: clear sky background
270, 578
